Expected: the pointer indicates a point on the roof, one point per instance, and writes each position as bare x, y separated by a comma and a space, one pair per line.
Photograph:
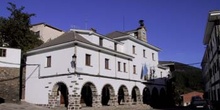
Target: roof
64, 38
166, 62
187, 97
116, 34
47, 26
135, 30
213, 16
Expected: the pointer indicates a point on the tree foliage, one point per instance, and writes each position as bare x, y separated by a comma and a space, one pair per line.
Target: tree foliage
187, 78
15, 32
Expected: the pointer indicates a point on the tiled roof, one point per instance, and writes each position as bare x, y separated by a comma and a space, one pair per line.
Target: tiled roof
116, 34
64, 38
187, 97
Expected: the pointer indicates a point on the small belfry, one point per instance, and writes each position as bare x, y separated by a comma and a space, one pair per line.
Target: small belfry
142, 31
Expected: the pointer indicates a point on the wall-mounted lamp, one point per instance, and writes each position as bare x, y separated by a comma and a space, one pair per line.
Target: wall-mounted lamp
73, 61
74, 58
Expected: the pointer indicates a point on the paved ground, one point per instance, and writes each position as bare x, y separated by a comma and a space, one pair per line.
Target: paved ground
20, 106
27, 106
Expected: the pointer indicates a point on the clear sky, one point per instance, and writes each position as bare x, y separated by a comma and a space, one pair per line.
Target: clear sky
175, 26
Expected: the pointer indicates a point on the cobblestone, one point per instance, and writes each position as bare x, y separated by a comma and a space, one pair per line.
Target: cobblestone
27, 106
21, 106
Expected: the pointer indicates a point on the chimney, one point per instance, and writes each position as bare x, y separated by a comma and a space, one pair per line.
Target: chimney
142, 31
94, 30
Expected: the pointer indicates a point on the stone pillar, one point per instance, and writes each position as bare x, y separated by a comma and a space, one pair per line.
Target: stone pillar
128, 100
113, 101
53, 101
74, 102
139, 99
96, 101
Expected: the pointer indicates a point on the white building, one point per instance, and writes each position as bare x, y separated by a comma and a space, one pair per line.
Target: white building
46, 32
10, 57
10, 60
83, 68
210, 62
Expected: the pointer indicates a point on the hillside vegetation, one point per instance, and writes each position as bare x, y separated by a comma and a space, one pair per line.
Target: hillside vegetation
187, 78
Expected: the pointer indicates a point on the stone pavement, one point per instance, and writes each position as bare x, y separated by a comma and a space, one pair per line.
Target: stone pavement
121, 107
27, 106
21, 106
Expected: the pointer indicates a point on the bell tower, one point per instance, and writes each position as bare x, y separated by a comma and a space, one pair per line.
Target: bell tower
142, 31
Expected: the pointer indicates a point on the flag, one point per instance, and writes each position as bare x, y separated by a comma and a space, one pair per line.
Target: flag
144, 71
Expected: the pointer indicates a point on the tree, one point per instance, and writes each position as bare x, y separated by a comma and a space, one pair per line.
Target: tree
15, 32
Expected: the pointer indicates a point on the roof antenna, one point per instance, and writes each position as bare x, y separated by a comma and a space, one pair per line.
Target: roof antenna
86, 23
123, 27
73, 26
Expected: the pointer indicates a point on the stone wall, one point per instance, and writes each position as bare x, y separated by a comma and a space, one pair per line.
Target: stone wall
9, 84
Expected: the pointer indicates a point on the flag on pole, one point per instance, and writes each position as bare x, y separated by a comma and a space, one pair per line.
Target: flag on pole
144, 71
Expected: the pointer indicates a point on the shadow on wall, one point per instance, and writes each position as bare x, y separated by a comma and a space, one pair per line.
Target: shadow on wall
2, 100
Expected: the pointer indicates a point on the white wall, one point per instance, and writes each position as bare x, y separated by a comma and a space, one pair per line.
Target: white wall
108, 44
139, 59
81, 59
60, 62
91, 38
12, 59
46, 33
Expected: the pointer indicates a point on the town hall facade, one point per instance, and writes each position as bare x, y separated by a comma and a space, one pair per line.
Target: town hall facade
84, 68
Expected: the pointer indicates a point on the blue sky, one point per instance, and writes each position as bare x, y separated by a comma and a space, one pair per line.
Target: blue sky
175, 26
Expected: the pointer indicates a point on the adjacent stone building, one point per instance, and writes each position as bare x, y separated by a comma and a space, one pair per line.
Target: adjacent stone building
9, 74
210, 62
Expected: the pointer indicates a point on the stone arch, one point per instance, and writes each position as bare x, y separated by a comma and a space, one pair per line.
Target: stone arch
88, 94
135, 95
59, 95
162, 97
108, 95
154, 97
2, 100
123, 95
146, 95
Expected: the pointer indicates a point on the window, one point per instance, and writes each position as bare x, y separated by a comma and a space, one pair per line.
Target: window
134, 69
2, 52
144, 55
88, 60
124, 67
106, 63
115, 46
101, 41
48, 61
37, 33
119, 66
133, 49
153, 56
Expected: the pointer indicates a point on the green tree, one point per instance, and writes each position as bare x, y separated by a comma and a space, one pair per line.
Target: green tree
15, 32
